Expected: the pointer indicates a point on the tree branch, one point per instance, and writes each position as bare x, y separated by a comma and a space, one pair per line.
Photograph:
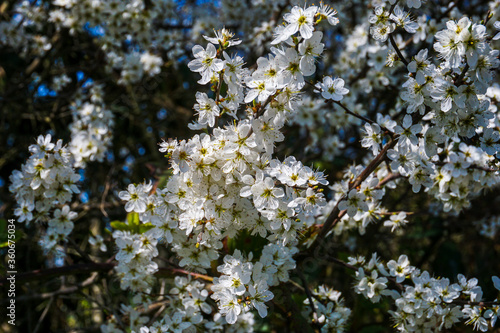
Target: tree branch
336, 214
398, 51
77, 269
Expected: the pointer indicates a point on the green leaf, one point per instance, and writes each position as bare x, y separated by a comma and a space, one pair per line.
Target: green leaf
145, 227
133, 218
133, 224
119, 225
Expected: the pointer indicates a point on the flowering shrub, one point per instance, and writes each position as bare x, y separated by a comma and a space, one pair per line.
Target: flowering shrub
320, 136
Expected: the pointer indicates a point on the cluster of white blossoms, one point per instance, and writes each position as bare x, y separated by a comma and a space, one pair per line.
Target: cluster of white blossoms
135, 252
230, 170
43, 187
447, 139
362, 206
424, 303
227, 182
150, 219
111, 21
135, 35
451, 97
438, 133
185, 313
385, 22
91, 130
244, 285
330, 310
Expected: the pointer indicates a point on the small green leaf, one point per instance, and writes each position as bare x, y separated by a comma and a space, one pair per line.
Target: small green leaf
133, 224
119, 225
133, 218
145, 227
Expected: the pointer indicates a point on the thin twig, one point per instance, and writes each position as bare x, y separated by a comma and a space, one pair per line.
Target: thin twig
62, 291
42, 317
309, 297
195, 275
398, 51
80, 252
352, 113
106, 190
336, 214
390, 177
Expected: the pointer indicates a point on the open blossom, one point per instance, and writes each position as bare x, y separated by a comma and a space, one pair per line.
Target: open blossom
421, 66
290, 71
402, 19
372, 138
474, 43
400, 269
223, 37
205, 62
230, 307
329, 13
355, 201
490, 141
25, 211
300, 20
98, 241
403, 161
135, 197
449, 44
260, 294
332, 88
62, 222
266, 133
473, 313
265, 194
207, 109
396, 221
310, 201
309, 49
371, 285
408, 132
259, 89
43, 145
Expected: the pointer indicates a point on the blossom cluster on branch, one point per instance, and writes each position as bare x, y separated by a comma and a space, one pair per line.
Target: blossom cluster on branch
43, 187
417, 93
